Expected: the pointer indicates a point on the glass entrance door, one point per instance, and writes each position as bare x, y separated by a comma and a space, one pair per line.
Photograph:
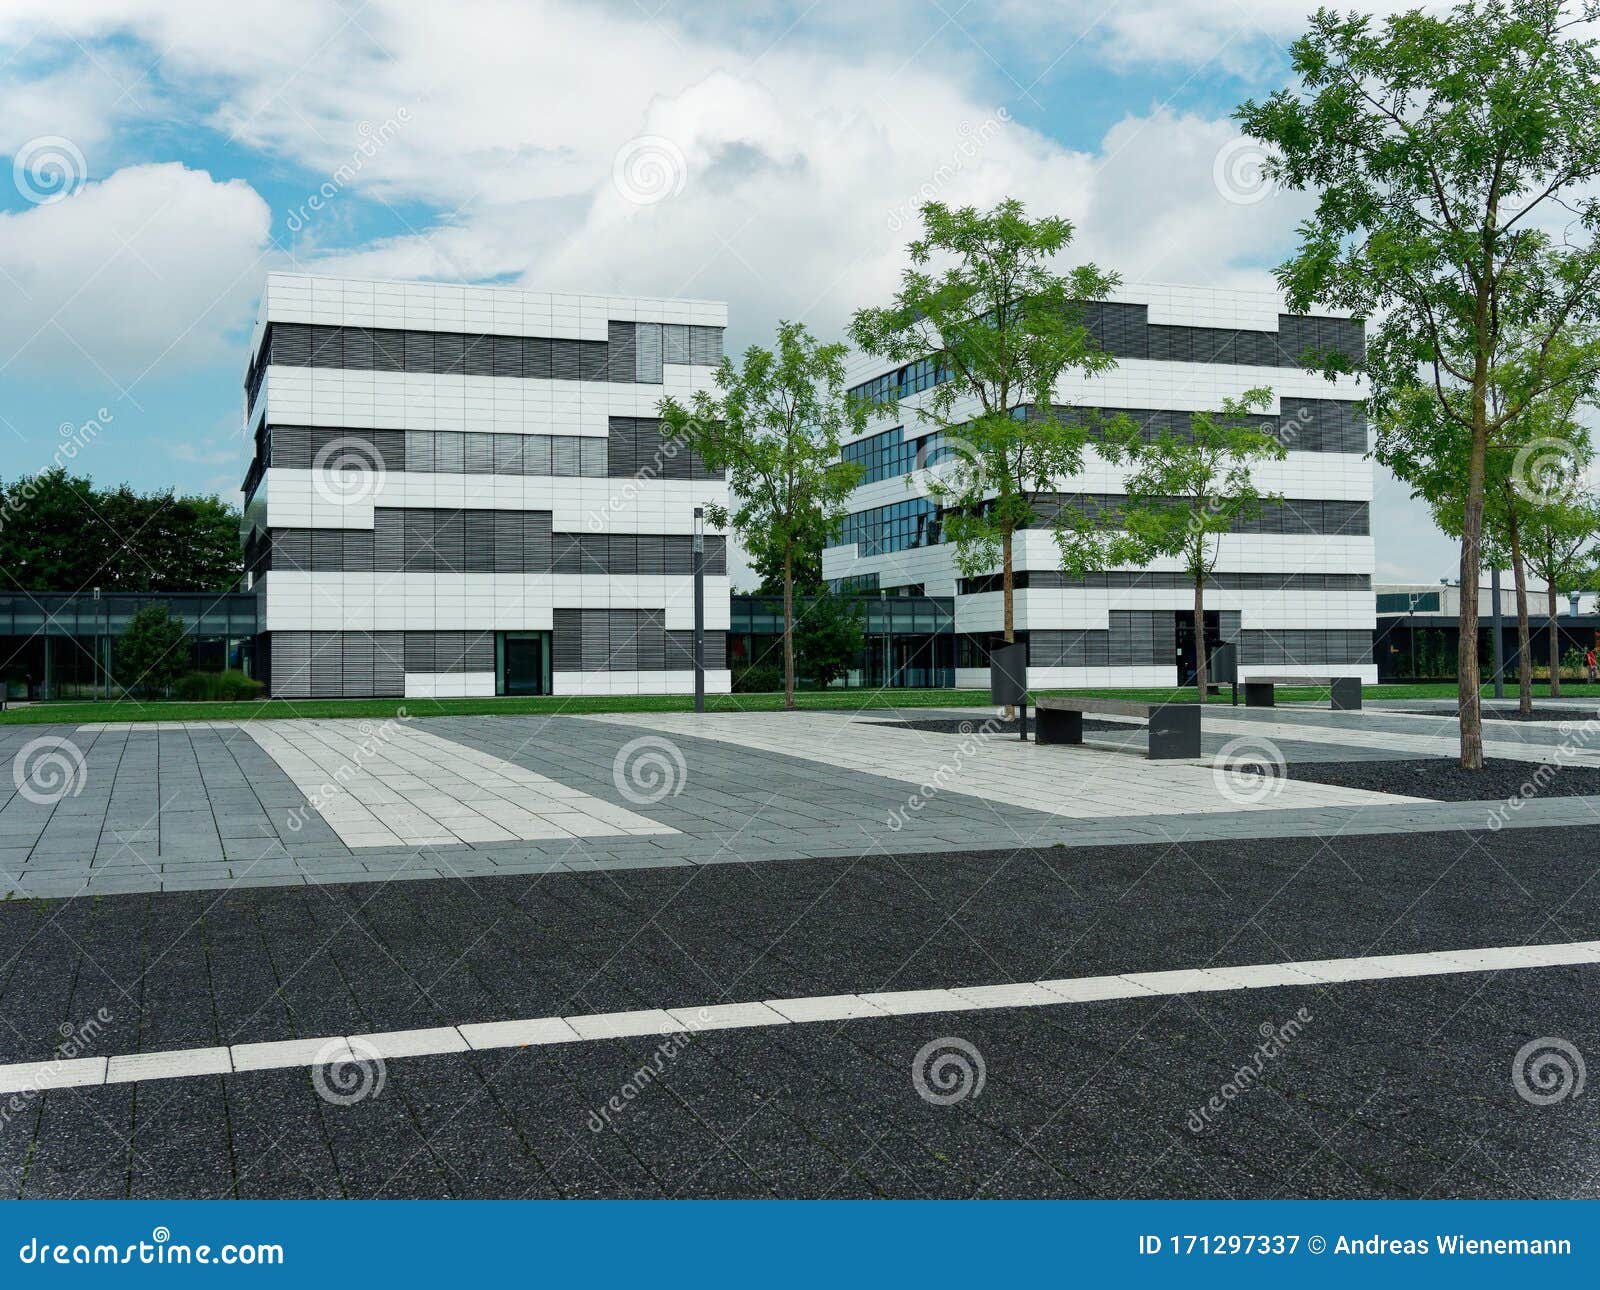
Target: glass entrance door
524, 663
1188, 659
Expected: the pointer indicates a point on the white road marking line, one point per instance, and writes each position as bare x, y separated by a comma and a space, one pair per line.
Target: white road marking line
133, 1067
540, 1031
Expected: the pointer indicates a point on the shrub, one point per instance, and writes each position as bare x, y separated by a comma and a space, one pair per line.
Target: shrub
759, 678
231, 686
235, 686
193, 687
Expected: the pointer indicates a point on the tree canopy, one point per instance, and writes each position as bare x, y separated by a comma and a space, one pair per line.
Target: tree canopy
60, 532
1452, 156
989, 326
775, 426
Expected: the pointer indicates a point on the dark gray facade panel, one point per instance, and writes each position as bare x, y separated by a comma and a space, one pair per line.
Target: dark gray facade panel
1163, 580
629, 348
566, 640
430, 540
705, 346
1291, 646
1125, 331
632, 447
621, 353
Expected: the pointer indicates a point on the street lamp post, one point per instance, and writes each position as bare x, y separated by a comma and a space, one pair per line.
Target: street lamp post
1499, 664
699, 609
97, 660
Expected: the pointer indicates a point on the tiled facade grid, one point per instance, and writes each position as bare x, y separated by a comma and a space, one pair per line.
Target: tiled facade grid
1126, 636
488, 502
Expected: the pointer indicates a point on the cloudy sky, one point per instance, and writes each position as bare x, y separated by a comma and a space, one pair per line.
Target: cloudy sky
166, 154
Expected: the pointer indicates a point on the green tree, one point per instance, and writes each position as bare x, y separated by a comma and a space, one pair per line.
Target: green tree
1560, 543
776, 425
983, 311
59, 532
767, 564
1532, 463
152, 652
1185, 492
828, 635
1435, 142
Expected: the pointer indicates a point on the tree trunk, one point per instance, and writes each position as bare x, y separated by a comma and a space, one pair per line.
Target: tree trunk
1519, 579
788, 629
1555, 642
1469, 686
1008, 595
1200, 636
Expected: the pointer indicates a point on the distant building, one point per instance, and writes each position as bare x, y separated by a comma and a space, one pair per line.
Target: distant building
1293, 587
1418, 628
463, 491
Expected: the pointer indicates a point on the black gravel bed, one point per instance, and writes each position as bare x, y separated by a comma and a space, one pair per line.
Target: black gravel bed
972, 725
1442, 780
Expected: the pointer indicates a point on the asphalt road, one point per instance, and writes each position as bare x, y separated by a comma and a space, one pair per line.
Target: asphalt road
1392, 1087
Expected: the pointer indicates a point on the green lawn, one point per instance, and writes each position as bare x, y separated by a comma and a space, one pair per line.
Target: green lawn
129, 710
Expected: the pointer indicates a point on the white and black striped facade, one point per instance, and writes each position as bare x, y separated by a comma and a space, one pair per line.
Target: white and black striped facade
462, 491
1293, 586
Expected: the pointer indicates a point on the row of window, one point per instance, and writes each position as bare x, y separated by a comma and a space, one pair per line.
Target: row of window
302, 665
901, 526
632, 448
1293, 516
56, 613
1302, 425
1149, 639
1125, 331
1143, 580
626, 640
634, 352
430, 540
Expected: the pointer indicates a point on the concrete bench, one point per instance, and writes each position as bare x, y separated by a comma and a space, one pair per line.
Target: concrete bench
1174, 727
1259, 691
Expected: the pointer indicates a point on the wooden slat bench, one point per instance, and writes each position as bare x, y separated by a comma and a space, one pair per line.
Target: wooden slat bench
1174, 727
1259, 691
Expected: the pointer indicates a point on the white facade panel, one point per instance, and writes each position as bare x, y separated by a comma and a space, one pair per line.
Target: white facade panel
335, 611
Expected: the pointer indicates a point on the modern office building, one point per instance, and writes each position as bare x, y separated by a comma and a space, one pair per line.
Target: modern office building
1292, 587
463, 491
1419, 630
